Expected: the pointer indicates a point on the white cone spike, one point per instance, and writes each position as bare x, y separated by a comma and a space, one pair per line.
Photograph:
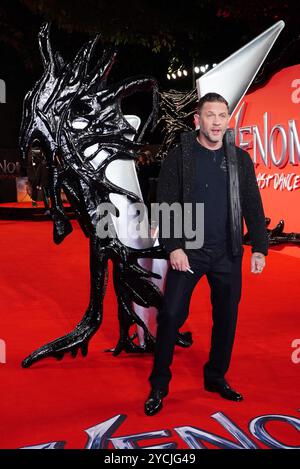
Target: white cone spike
232, 77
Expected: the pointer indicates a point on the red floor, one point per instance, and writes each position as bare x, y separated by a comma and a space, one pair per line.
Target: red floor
40, 204
43, 294
20, 204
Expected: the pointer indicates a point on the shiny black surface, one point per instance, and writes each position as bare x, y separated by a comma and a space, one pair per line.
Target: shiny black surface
69, 92
154, 402
224, 390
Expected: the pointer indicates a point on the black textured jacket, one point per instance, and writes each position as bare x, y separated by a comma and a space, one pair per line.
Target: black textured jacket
176, 182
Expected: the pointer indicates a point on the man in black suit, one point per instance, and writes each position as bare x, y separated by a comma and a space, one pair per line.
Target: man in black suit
207, 169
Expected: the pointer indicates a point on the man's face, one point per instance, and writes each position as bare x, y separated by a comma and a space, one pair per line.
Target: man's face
212, 121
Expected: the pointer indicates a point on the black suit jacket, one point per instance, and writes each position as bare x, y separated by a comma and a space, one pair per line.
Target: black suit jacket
175, 184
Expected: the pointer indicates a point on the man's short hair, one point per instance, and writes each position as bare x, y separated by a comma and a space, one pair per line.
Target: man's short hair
210, 98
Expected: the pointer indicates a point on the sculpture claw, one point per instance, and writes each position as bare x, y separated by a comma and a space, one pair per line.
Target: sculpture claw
84, 349
72, 342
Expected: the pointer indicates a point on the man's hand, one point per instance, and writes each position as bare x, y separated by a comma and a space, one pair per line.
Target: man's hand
179, 260
258, 262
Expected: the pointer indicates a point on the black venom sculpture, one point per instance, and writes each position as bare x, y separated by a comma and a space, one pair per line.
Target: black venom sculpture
77, 119
277, 236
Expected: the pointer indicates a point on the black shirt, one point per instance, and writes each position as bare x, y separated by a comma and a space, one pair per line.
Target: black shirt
211, 190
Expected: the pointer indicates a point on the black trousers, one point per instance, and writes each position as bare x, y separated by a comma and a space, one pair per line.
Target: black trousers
224, 275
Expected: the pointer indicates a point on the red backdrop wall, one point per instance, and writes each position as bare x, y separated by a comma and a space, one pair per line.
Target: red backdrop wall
267, 125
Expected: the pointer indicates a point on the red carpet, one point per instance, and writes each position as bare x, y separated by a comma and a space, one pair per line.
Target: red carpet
25, 205
44, 292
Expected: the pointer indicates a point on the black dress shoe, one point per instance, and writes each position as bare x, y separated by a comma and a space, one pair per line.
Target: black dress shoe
224, 390
154, 402
184, 339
